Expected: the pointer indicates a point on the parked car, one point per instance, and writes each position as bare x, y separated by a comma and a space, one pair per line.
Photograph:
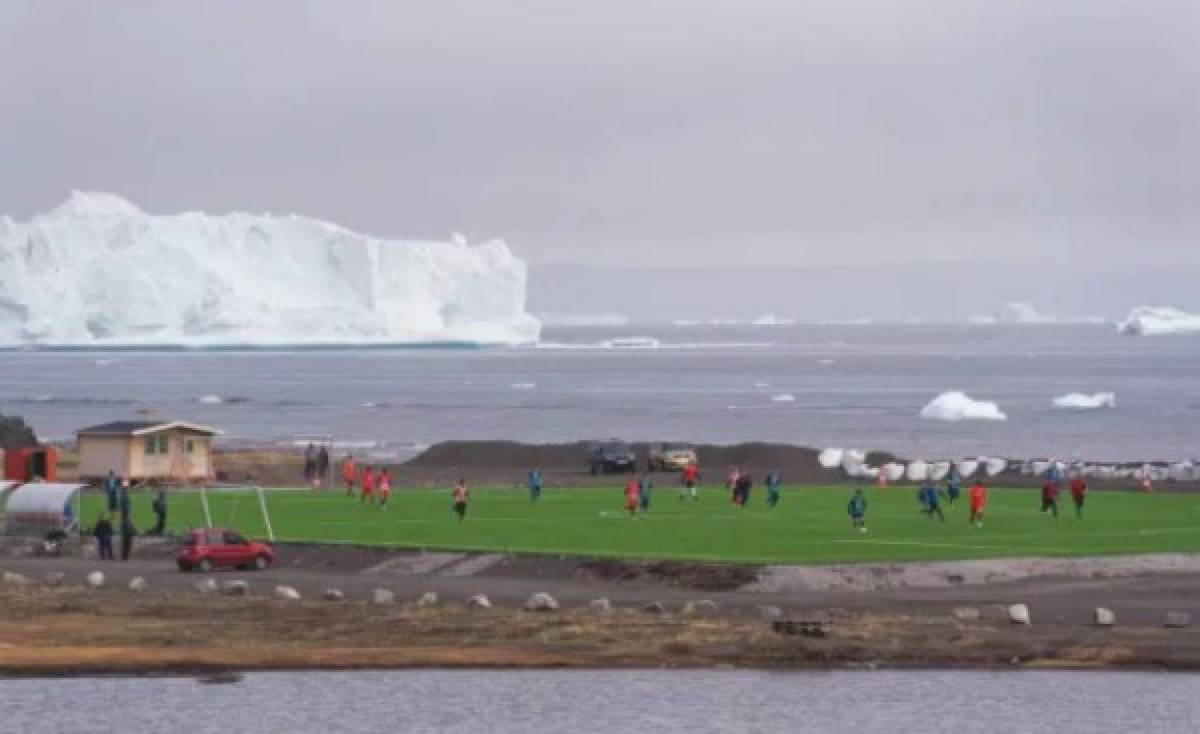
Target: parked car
204, 550
609, 457
671, 457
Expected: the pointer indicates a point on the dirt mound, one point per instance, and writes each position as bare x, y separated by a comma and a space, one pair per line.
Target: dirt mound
684, 574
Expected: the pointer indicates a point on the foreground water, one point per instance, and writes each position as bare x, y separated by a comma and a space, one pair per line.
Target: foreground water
615, 701
812, 385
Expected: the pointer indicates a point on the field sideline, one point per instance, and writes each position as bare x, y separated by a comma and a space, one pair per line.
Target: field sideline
809, 525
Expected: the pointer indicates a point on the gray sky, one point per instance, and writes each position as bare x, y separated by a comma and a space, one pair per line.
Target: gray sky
631, 133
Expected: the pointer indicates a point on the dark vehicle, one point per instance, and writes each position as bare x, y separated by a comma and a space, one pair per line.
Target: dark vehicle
204, 550
612, 457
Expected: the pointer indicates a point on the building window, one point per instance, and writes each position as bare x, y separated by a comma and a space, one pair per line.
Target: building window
151, 445
189, 446
163, 446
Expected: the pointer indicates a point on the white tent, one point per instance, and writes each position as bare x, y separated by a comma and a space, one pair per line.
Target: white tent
38, 508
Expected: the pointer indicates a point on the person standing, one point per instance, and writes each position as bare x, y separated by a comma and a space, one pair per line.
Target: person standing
1078, 493
368, 485
461, 495
978, 499
731, 483
644, 488
385, 487
124, 502
953, 484
127, 533
688, 480
349, 474
111, 487
773, 485
631, 497
104, 534
931, 501
1050, 497
159, 505
322, 467
310, 464
535, 484
741, 490
857, 509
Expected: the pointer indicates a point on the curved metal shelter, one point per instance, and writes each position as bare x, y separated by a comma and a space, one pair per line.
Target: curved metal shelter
40, 508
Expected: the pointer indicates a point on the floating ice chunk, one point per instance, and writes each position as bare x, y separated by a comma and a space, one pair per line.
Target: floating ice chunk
830, 458
770, 319
761, 385
1151, 321
632, 342
981, 320
524, 385
210, 399
96, 270
957, 406
783, 398
1018, 312
1081, 401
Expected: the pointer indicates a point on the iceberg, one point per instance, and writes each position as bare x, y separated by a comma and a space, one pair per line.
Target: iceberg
98, 271
1151, 321
958, 406
1017, 312
1080, 401
770, 319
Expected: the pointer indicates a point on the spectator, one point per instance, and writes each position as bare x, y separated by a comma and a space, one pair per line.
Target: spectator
104, 532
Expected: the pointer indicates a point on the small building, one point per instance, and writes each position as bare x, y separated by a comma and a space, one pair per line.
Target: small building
146, 450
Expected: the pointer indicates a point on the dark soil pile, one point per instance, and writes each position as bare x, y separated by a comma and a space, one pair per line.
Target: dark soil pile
683, 574
14, 433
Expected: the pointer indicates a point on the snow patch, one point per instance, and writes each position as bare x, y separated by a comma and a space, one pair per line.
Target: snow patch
770, 319
98, 271
1081, 401
958, 406
1152, 321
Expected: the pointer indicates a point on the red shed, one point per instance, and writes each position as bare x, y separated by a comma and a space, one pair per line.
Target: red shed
31, 462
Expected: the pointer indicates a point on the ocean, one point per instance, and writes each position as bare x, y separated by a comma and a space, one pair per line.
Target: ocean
860, 386
609, 702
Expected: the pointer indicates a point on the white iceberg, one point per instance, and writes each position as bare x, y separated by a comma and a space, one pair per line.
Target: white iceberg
770, 319
97, 270
1081, 401
957, 406
830, 458
1018, 312
1151, 321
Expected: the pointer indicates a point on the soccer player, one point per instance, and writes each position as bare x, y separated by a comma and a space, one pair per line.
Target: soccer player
978, 498
368, 485
349, 472
461, 495
953, 484
631, 497
773, 483
688, 480
1050, 497
1078, 492
931, 502
535, 484
857, 509
741, 491
644, 487
731, 483
385, 487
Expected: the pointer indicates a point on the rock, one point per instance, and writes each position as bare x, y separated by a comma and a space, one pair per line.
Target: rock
383, 596
1105, 617
236, 587
95, 579
1177, 619
15, 579
966, 614
286, 592
137, 583
700, 608
334, 594
770, 611
56, 578
804, 628
479, 601
541, 602
1018, 614
654, 607
428, 599
600, 606
206, 586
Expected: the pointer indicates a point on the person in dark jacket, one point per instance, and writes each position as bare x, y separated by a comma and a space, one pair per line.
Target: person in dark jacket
123, 502
773, 484
111, 485
127, 533
104, 532
322, 467
160, 512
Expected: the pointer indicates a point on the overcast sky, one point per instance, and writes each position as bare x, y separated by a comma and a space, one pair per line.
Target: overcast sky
631, 133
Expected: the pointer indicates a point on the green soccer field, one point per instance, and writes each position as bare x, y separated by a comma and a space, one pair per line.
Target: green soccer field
810, 524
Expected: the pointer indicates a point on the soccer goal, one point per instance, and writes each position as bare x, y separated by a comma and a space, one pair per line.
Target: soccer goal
238, 507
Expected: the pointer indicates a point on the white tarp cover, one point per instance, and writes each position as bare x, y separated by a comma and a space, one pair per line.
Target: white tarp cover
6, 484
38, 508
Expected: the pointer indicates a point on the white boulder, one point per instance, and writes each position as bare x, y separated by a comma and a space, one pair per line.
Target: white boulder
1018, 614
428, 599
95, 579
286, 593
479, 601
1105, 617
541, 602
830, 458
137, 584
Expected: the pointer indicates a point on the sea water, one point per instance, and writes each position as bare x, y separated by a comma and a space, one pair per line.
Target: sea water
609, 702
849, 386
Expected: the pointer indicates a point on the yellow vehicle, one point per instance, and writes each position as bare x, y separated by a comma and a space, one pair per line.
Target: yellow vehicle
671, 457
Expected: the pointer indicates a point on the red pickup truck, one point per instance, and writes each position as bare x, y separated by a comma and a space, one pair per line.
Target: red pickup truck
204, 550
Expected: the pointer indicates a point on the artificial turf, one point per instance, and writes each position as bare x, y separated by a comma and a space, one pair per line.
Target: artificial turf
809, 525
